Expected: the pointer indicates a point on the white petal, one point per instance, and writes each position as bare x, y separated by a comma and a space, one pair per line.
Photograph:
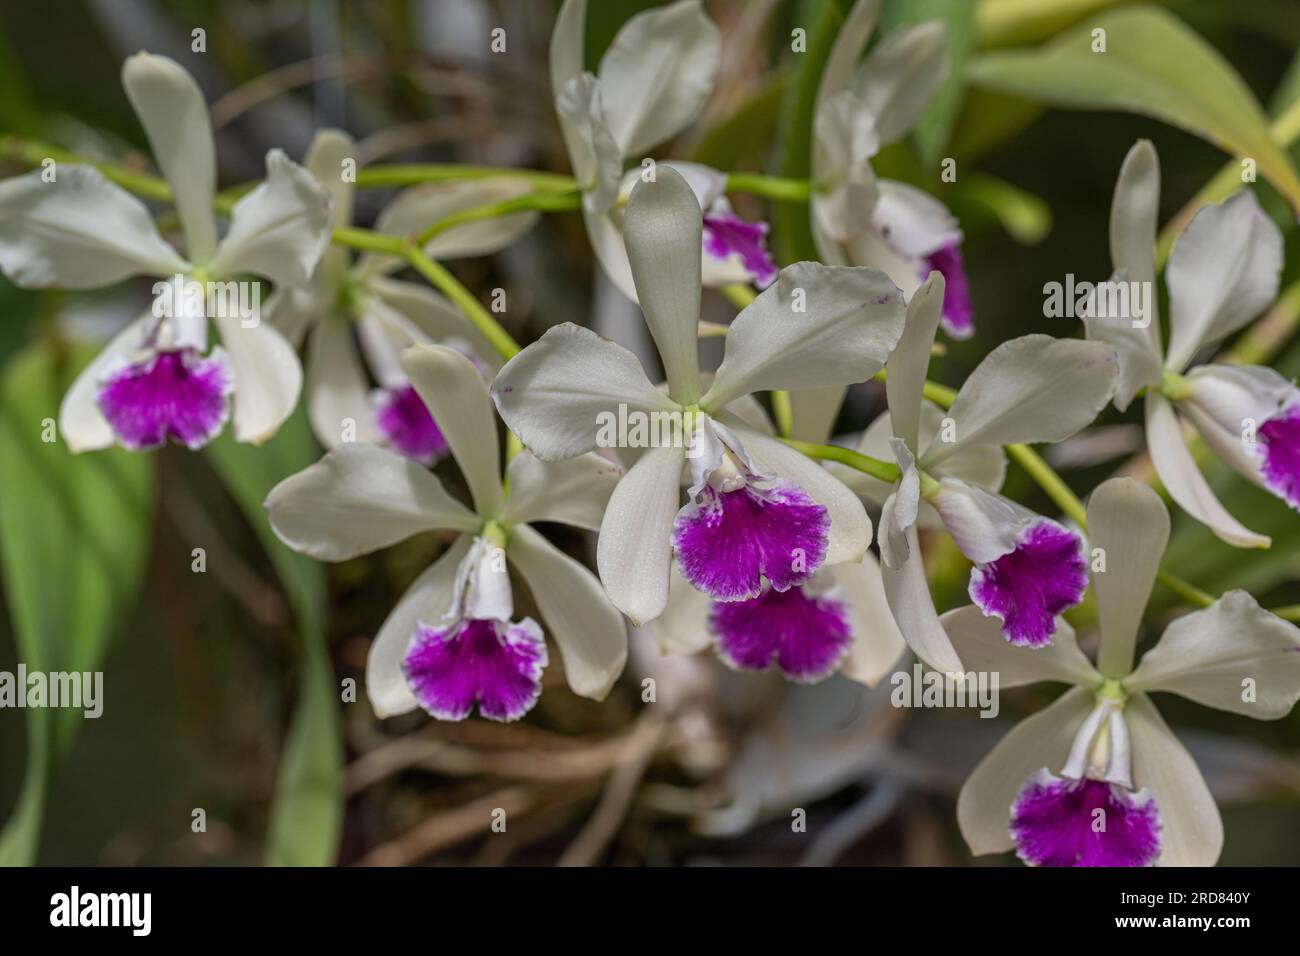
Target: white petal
433, 316
325, 160
912, 221
553, 394
268, 377
568, 42
850, 530
1130, 525
909, 599
572, 492
850, 41
979, 640
280, 229
1043, 740
905, 378
901, 508
427, 600
606, 237
984, 525
708, 184
1031, 389
174, 115
635, 547
877, 644
1191, 831
657, 74
897, 80
1139, 358
81, 423
597, 163
1214, 655
844, 141
662, 228
683, 627
1183, 479
1235, 396
589, 631
1134, 215
78, 232
293, 312
1223, 271
358, 499
983, 465
815, 326
337, 388
457, 397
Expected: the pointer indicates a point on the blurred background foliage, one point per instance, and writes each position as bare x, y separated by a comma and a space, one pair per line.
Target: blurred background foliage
223, 688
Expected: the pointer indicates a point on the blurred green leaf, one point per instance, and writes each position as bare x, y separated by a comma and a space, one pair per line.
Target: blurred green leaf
746, 132
935, 125
74, 535
307, 813
1153, 65
1012, 22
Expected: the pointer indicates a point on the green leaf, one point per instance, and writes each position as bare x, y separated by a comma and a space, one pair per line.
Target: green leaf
307, 812
935, 125
74, 536
1153, 65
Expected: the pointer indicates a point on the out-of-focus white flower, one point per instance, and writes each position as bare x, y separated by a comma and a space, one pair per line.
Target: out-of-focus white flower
651, 83
387, 314
450, 641
1028, 568
1223, 271
1098, 778
759, 511
80, 231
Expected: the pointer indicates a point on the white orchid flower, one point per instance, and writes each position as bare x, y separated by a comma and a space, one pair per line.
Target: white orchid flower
759, 510
858, 218
1028, 568
80, 231
450, 641
388, 315
1223, 271
652, 83
1098, 778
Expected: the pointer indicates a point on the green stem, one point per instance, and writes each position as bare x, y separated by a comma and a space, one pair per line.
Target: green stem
545, 200
414, 174
1052, 483
771, 187
447, 283
783, 412
369, 241
884, 470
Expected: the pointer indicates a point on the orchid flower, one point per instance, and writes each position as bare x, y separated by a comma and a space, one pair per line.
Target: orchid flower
856, 217
451, 641
389, 315
1028, 568
651, 83
1098, 778
1223, 271
80, 231
758, 510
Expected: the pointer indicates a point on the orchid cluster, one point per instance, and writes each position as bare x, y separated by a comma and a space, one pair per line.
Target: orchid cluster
745, 539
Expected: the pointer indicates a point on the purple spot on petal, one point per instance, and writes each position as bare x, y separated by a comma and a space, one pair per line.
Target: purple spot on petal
726, 234
171, 394
729, 541
1056, 821
805, 636
958, 317
1280, 437
408, 426
494, 663
1044, 575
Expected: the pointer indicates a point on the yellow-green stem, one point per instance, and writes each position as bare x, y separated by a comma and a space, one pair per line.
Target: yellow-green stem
884, 470
448, 284
540, 201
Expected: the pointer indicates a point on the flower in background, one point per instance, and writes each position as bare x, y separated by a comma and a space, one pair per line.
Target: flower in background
452, 640
388, 315
1028, 568
79, 231
652, 82
758, 512
1223, 271
858, 218
1098, 778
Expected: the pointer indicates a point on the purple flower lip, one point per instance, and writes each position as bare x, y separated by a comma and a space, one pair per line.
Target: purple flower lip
726, 234
728, 542
1279, 441
496, 664
958, 318
1060, 821
173, 394
806, 636
1030, 586
408, 427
